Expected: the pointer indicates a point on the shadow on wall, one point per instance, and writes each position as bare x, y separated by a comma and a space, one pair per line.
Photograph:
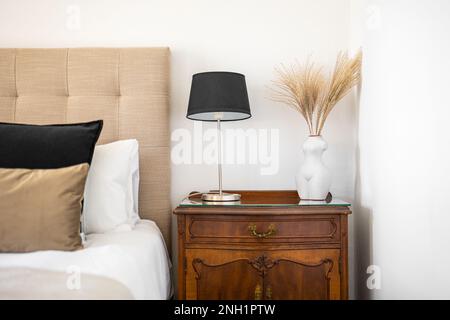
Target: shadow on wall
362, 226
363, 234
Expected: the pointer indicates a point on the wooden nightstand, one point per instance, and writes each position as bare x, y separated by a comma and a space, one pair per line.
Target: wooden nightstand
267, 247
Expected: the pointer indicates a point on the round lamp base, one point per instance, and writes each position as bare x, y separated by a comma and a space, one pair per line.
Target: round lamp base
224, 197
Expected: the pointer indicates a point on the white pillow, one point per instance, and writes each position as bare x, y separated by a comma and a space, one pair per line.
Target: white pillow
112, 187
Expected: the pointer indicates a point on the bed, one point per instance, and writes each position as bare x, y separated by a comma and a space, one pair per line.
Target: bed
122, 265
128, 89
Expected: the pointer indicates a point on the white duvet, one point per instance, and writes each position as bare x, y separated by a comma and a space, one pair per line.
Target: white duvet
137, 259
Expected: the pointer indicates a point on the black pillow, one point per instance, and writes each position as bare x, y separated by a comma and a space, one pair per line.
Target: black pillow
47, 146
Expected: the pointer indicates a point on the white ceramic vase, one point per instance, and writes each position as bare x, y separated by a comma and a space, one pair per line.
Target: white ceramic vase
313, 178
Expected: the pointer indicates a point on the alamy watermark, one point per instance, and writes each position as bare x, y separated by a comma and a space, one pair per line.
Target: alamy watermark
73, 281
73, 17
251, 146
374, 280
374, 17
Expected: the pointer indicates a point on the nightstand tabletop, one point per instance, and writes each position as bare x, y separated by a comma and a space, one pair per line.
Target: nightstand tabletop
265, 199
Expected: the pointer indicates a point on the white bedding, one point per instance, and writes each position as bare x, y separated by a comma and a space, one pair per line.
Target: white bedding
137, 259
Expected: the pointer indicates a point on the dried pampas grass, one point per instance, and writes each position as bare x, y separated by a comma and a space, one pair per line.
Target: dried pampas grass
306, 89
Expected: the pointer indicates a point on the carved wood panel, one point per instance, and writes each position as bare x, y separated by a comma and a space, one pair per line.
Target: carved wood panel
233, 280
263, 278
292, 280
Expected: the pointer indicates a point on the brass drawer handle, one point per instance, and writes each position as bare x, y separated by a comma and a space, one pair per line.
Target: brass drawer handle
258, 292
269, 293
270, 231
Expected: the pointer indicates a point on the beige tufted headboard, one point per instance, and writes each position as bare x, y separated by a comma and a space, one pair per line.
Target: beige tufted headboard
126, 87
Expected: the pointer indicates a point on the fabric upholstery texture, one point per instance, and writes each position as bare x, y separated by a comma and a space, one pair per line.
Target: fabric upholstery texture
128, 88
40, 208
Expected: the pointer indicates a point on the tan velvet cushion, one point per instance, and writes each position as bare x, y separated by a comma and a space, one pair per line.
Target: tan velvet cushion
40, 209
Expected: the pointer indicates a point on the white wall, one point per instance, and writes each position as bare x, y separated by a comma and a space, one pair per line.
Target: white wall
403, 164
251, 37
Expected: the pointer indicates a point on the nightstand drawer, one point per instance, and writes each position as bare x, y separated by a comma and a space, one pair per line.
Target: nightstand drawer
257, 229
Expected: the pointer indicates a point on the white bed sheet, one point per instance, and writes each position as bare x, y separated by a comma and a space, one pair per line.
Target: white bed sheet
137, 259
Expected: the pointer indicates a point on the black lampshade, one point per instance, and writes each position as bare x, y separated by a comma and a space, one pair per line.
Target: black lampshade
218, 95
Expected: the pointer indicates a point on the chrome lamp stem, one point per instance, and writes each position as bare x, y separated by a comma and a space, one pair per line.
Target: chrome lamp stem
219, 155
220, 197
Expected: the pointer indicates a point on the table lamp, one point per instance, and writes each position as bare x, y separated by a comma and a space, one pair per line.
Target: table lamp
219, 97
